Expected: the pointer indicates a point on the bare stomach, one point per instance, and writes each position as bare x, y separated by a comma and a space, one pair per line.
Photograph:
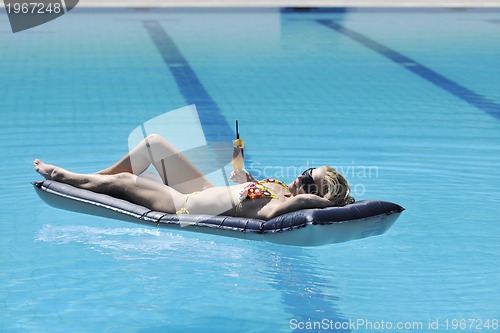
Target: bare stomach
225, 200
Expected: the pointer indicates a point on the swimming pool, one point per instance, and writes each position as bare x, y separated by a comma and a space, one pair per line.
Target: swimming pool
404, 102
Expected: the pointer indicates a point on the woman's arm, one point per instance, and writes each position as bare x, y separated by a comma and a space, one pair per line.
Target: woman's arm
239, 175
242, 176
298, 202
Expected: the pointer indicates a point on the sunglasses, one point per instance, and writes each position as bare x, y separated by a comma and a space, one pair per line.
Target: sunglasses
307, 183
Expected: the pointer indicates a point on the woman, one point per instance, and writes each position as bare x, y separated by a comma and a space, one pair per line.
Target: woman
187, 190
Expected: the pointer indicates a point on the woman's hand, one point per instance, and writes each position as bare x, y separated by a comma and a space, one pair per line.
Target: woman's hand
241, 176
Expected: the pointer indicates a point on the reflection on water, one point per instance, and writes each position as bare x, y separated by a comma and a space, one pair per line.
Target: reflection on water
126, 243
307, 294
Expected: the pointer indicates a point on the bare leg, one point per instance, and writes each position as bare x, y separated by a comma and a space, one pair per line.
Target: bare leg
141, 191
175, 169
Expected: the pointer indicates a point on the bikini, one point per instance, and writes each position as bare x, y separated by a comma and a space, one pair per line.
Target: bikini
257, 190
254, 190
184, 210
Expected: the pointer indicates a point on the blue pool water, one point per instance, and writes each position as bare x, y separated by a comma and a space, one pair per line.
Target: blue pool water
405, 102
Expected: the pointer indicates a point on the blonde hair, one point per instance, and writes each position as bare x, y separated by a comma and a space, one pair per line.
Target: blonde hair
336, 188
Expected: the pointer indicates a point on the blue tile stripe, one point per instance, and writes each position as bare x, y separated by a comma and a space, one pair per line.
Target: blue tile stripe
189, 85
302, 308
479, 101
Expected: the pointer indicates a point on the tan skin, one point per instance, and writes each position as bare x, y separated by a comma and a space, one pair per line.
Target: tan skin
182, 177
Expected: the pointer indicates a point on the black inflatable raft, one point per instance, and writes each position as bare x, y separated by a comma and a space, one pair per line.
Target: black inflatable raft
308, 227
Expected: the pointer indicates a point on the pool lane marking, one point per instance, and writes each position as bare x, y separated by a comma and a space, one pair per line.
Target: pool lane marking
194, 92
215, 127
477, 100
189, 84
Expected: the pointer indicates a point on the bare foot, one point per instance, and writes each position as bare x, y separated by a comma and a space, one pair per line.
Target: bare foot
44, 169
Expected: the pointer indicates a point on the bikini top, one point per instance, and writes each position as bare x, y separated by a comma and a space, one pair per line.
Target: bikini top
257, 189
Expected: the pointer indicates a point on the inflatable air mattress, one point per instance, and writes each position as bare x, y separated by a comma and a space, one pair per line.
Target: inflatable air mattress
309, 227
